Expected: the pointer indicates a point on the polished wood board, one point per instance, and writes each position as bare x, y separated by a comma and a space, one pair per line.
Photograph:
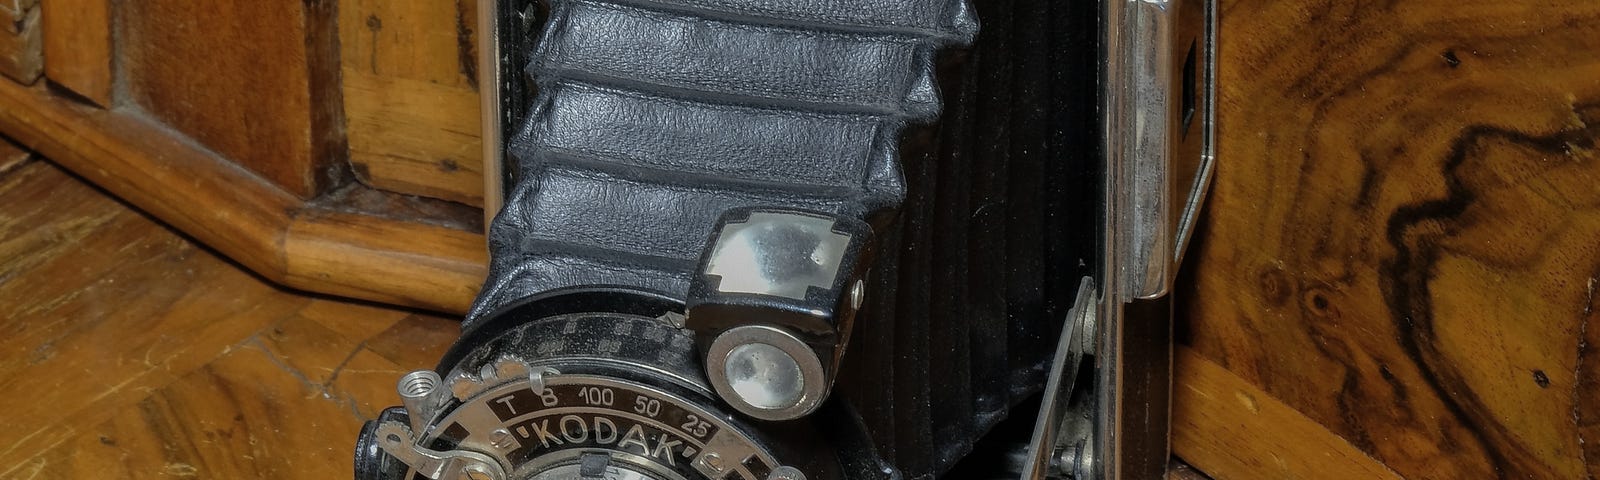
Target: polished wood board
132, 352
1403, 240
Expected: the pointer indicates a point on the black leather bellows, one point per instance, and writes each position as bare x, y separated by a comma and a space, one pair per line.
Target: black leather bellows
653, 117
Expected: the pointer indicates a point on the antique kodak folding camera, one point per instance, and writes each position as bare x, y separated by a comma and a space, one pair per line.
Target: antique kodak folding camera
822, 239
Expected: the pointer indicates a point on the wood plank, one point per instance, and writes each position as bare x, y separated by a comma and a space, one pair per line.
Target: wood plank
12, 156
257, 82
247, 415
244, 217
415, 137
368, 378
151, 357
433, 41
77, 47
374, 259
1230, 429
418, 341
410, 90
21, 56
101, 304
1401, 238
225, 420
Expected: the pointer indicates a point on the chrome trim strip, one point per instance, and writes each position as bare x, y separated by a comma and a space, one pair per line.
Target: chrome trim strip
1148, 217
489, 106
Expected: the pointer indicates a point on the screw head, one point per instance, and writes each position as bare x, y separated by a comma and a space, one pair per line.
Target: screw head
1072, 461
786, 473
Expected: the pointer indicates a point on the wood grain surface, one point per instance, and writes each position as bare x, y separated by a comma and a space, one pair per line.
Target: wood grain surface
414, 137
21, 53
410, 96
77, 47
383, 260
1403, 240
12, 156
132, 352
1238, 431
246, 218
255, 81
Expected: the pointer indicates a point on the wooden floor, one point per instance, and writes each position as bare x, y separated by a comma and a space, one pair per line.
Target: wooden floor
131, 352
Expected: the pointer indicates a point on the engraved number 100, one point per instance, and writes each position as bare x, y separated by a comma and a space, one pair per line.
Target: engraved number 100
597, 396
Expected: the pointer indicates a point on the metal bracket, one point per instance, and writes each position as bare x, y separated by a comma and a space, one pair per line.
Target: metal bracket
396, 440
1058, 445
1159, 79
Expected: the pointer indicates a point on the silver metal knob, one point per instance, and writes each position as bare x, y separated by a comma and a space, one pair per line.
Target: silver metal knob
766, 372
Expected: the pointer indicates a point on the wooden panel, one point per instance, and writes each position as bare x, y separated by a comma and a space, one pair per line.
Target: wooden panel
1228, 428
1401, 241
77, 46
410, 92
415, 137
21, 57
254, 81
235, 212
148, 166
428, 40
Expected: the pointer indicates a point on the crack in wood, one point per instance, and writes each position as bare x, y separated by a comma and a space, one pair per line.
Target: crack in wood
337, 369
1579, 383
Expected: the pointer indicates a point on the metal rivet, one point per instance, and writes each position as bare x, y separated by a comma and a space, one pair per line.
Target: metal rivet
786, 473
501, 439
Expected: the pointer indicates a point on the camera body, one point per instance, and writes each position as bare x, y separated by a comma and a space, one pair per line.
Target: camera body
790, 240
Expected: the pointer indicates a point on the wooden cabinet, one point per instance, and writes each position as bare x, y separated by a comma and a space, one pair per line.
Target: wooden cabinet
1395, 276
411, 96
228, 119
